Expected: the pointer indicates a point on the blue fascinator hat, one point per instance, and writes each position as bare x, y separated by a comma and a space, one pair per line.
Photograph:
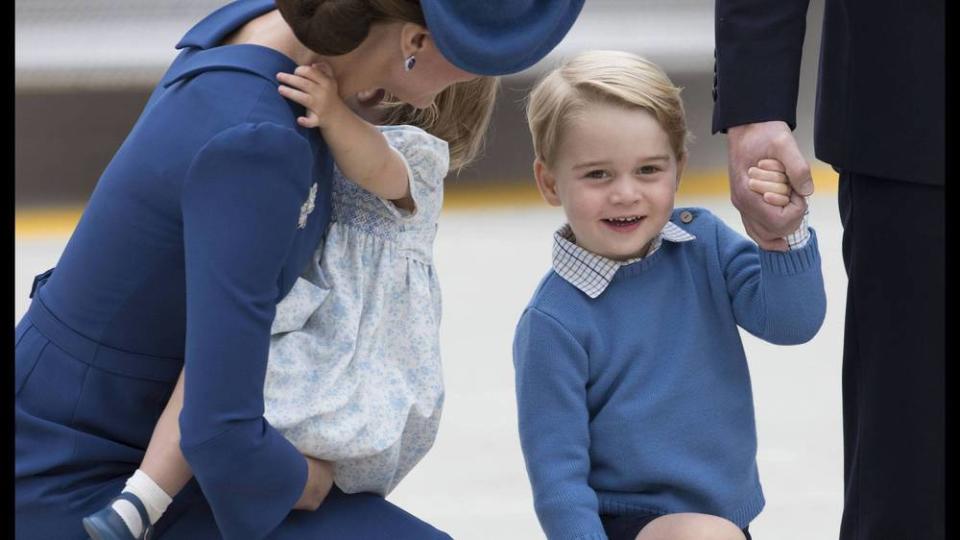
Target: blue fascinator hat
497, 37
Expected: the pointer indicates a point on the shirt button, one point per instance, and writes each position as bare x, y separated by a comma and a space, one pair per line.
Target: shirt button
686, 216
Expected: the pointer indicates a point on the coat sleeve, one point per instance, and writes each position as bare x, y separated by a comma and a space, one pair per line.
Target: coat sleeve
758, 46
240, 203
552, 372
776, 296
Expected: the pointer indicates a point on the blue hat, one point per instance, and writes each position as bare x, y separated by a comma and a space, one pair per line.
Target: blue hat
497, 37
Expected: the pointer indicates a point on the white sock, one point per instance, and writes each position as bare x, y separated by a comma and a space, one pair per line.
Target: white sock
154, 500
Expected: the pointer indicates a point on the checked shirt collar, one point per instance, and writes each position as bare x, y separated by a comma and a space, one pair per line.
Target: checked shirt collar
591, 273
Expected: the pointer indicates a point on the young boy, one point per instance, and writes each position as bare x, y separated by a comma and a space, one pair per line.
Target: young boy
635, 409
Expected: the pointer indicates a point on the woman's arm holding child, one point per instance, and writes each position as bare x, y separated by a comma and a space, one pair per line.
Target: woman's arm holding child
165, 464
359, 149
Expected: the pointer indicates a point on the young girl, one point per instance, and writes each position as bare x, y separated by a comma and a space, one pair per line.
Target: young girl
635, 411
354, 376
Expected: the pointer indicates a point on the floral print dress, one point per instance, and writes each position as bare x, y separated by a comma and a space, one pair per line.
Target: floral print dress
354, 374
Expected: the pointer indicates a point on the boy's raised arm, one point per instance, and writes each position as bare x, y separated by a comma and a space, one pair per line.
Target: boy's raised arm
776, 296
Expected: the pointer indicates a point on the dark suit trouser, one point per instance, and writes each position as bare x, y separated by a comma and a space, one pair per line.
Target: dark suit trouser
893, 359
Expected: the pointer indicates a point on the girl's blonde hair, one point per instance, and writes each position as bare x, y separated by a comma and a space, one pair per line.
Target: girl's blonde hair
459, 115
612, 77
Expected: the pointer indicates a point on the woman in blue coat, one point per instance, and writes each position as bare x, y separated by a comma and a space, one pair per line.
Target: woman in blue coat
200, 224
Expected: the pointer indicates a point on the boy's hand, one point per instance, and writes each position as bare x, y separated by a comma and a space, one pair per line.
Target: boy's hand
315, 88
769, 179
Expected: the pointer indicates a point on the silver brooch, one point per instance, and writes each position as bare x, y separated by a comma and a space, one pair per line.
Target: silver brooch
307, 207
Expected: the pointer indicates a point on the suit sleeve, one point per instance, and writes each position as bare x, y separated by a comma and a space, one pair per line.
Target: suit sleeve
551, 383
758, 47
240, 202
776, 296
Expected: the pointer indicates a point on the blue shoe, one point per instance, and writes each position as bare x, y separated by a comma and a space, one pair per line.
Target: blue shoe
106, 524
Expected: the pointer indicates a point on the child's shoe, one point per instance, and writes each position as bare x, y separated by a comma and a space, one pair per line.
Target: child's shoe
106, 524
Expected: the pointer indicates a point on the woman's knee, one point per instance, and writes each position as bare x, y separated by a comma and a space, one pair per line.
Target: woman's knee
690, 526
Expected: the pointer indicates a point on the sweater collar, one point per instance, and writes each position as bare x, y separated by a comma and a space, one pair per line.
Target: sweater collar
592, 273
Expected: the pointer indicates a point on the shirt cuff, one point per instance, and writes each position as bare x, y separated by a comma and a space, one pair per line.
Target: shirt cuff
799, 238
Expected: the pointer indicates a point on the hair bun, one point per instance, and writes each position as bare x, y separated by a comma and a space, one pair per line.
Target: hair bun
328, 27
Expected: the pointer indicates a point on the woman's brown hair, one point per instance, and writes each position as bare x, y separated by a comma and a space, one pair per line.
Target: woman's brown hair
459, 115
335, 27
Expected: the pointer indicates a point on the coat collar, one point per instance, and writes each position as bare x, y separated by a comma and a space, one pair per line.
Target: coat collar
222, 22
201, 53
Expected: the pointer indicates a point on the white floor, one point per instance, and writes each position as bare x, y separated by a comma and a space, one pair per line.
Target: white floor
473, 484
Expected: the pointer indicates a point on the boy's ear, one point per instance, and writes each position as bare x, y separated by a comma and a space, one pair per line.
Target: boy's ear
681, 165
546, 183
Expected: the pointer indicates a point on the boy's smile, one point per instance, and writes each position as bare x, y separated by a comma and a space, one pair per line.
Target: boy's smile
615, 175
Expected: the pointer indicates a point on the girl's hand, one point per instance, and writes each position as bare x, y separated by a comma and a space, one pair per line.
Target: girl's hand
769, 179
315, 88
319, 484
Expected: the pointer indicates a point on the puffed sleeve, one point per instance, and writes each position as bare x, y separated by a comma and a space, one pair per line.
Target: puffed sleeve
427, 159
240, 201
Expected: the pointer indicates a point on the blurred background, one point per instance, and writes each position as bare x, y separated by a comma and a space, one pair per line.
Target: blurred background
84, 70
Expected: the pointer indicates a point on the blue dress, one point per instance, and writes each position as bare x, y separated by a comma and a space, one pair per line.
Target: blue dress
201, 223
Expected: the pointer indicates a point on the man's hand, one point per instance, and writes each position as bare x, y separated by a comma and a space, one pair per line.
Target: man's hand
315, 88
767, 224
319, 483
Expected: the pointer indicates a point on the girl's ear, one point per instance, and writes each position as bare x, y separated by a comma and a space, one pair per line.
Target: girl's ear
546, 183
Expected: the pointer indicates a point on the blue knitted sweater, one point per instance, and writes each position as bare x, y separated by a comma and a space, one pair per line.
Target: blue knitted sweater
640, 399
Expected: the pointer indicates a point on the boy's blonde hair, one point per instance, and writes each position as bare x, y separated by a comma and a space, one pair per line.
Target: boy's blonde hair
459, 115
612, 77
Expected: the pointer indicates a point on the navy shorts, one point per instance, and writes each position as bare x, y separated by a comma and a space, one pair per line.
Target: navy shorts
628, 526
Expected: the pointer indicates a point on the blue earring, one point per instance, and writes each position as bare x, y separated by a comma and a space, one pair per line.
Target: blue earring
409, 63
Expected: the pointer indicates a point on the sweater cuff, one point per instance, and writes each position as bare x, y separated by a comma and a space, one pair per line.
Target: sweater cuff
792, 262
